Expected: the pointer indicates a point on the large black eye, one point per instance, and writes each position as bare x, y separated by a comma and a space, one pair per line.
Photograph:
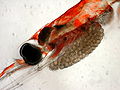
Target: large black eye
31, 54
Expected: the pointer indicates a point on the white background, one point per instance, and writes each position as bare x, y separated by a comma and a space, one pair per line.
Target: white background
20, 19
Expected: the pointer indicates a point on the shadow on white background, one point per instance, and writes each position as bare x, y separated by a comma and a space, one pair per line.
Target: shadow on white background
20, 19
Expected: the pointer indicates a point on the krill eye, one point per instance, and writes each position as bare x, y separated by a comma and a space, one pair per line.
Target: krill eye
31, 54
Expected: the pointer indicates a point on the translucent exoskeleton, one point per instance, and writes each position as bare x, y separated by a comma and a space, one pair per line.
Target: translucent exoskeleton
63, 42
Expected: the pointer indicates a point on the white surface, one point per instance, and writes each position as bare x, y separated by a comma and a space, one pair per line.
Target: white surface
20, 19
